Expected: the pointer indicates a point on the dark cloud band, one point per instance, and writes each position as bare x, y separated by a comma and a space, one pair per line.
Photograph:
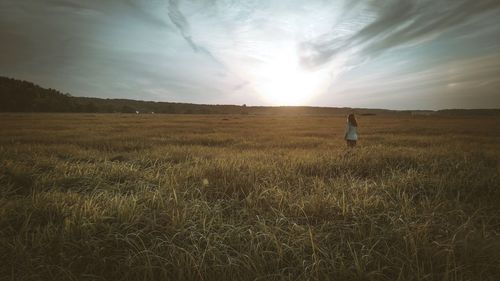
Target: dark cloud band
396, 22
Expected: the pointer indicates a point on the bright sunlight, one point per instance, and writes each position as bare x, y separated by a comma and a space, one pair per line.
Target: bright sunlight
285, 82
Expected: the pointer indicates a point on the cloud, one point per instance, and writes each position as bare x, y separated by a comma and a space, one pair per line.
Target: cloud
180, 21
358, 30
474, 80
389, 24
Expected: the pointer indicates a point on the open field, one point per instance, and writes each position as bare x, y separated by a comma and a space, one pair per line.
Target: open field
193, 197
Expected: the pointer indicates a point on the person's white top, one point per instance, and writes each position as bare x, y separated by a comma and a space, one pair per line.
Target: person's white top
351, 132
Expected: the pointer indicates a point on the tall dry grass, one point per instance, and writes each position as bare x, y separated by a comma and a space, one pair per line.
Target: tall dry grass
125, 197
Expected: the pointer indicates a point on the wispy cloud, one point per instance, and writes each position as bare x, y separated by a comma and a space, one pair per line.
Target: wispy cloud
357, 30
473, 77
388, 24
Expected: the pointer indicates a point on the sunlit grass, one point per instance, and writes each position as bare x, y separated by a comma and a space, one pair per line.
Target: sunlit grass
125, 197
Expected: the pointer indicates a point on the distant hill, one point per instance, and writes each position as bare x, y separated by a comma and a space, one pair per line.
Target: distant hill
23, 96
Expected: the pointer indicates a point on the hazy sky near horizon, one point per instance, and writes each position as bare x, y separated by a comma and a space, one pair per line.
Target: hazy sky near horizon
397, 54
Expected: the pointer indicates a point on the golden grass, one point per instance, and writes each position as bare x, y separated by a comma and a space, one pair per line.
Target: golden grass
166, 197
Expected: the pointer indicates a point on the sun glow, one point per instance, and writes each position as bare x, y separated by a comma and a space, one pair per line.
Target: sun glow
283, 81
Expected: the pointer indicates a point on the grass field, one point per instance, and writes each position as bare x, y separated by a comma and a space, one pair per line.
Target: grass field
191, 197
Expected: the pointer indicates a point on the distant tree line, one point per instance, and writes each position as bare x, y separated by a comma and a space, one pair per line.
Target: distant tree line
23, 96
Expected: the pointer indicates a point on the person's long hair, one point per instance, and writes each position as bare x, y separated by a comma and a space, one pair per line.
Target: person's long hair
352, 120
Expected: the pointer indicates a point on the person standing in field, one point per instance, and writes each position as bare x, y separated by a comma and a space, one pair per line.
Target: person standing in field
351, 131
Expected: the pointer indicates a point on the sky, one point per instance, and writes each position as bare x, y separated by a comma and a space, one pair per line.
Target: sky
394, 54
